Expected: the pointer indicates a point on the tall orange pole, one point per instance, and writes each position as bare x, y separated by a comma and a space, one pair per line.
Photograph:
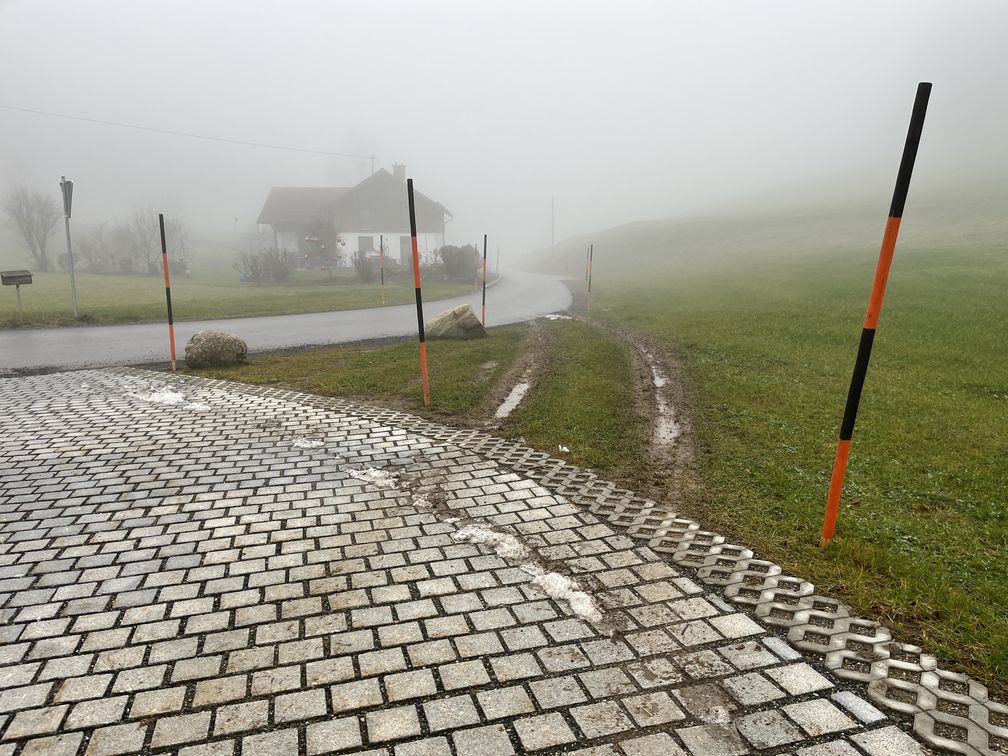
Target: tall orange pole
874, 309
167, 287
419, 299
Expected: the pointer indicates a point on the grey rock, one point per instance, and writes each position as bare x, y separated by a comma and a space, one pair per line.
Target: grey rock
458, 323
215, 348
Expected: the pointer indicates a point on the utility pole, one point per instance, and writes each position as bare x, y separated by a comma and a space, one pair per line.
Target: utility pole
67, 188
552, 222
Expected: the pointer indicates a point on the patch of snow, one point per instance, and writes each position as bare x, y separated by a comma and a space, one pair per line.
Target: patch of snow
557, 316
513, 400
564, 449
563, 588
163, 395
197, 406
303, 442
85, 386
553, 584
374, 476
504, 544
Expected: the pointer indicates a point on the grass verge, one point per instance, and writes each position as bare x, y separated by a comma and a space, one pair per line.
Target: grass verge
461, 372
583, 401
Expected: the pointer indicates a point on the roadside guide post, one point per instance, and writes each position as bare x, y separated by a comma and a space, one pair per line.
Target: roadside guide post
874, 308
419, 298
167, 286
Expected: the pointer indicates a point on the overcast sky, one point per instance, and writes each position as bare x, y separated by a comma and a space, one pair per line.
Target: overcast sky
620, 110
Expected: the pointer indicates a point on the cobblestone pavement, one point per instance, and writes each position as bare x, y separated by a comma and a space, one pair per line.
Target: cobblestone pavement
209, 568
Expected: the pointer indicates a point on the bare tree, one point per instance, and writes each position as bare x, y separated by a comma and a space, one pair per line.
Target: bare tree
35, 214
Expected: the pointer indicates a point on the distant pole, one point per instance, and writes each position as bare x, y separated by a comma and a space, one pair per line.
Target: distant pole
484, 280
381, 265
591, 254
498, 259
552, 222
874, 308
67, 188
419, 299
587, 252
167, 287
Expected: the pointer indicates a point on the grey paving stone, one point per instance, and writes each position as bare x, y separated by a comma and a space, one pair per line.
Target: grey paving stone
830, 748
117, 739
651, 709
418, 683
177, 730
153, 702
767, 729
333, 735
392, 724
658, 744
752, 689
468, 674
601, 719
819, 717
241, 717
450, 713
863, 711
95, 713
888, 741
544, 731
721, 739
435, 746
270, 743
66, 744
505, 702
492, 739
32, 722
798, 679
556, 692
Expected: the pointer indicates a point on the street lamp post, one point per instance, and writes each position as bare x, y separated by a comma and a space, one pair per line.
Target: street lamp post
66, 187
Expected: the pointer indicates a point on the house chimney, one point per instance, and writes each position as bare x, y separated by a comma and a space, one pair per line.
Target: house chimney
399, 171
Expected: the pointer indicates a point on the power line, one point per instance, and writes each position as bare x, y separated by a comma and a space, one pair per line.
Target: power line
187, 134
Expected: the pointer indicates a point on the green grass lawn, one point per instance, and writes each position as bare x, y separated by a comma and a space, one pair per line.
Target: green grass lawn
209, 294
461, 372
583, 401
768, 347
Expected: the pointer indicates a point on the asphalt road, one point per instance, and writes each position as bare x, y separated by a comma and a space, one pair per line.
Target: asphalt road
515, 298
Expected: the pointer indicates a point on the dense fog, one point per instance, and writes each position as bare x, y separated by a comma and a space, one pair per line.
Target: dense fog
608, 112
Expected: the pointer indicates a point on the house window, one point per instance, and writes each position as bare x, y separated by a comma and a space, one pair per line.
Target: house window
405, 249
365, 243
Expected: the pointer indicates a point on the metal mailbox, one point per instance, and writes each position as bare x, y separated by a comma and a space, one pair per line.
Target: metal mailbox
15, 277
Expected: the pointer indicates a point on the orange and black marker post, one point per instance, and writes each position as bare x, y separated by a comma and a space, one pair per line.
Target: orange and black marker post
874, 308
591, 254
483, 318
381, 266
167, 289
419, 299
